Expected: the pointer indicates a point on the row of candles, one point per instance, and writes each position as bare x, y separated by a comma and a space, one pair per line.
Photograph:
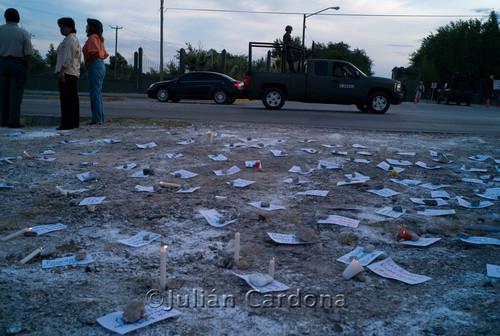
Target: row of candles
17, 234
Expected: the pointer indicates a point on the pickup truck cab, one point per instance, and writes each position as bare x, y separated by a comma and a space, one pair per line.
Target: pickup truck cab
324, 81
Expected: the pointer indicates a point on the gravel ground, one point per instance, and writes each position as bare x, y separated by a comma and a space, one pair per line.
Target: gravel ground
459, 299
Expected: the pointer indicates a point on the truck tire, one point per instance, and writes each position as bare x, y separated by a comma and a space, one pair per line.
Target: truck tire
378, 103
273, 99
162, 95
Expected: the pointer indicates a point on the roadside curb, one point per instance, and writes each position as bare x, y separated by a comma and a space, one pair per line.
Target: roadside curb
87, 98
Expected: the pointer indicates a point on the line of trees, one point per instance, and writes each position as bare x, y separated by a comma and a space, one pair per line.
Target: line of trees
464, 46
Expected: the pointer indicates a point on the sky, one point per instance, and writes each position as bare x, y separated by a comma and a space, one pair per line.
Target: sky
387, 30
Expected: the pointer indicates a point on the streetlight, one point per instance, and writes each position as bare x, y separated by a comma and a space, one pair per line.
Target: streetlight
308, 15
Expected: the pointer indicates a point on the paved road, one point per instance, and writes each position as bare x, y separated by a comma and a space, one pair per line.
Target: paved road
422, 117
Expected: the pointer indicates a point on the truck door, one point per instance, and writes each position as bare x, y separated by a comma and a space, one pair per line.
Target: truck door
318, 82
346, 84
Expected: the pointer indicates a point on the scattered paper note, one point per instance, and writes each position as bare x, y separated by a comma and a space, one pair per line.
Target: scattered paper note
144, 188
278, 153
92, 200
286, 239
148, 145
399, 162
432, 212
88, 176
426, 166
66, 261
481, 240
185, 174
493, 270
406, 182
385, 166
433, 186
140, 239
363, 257
297, 169
42, 229
467, 204
321, 193
322, 164
240, 183
213, 218
47, 159
340, 220
139, 174
90, 153
274, 286
269, 208
231, 171
422, 201
309, 150
187, 191
173, 155
186, 142
47, 152
389, 212
387, 268
385, 192
421, 242
127, 166
218, 157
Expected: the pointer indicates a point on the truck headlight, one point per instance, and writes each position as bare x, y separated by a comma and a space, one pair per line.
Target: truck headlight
397, 87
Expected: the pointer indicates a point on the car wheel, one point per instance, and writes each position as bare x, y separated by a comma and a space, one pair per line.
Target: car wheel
220, 97
378, 103
162, 95
273, 99
362, 107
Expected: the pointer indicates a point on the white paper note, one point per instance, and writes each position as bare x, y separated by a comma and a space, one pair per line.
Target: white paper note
92, 200
269, 208
240, 183
231, 171
138, 240
148, 145
218, 157
493, 270
287, 239
385, 192
340, 220
387, 268
42, 229
481, 240
321, 193
66, 261
389, 212
274, 286
185, 174
421, 242
363, 257
213, 218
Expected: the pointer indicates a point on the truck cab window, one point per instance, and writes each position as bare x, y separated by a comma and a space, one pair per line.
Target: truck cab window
339, 70
321, 68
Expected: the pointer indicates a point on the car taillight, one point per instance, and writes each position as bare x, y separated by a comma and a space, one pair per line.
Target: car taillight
238, 85
246, 80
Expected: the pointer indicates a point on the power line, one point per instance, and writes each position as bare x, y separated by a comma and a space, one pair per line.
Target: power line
116, 44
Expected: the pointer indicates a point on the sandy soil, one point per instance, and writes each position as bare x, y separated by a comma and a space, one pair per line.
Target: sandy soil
460, 299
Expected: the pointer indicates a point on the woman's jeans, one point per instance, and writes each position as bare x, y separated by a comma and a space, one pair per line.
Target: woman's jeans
95, 73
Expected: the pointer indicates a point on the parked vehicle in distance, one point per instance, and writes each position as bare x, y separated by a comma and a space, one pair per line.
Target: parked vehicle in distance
198, 85
323, 81
457, 90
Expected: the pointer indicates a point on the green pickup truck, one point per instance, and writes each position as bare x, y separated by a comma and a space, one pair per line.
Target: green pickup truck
322, 81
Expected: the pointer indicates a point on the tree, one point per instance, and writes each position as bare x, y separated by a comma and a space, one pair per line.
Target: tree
341, 51
37, 64
51, 58
123, 69
463, 46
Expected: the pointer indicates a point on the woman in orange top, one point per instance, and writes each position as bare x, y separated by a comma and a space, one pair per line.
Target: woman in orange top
94, 55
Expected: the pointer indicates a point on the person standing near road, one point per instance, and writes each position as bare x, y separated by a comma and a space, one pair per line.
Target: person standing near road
420, 91
69, 55
94, 54
15, 56
287, 41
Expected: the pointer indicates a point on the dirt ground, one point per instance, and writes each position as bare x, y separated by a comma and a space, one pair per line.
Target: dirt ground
459, 299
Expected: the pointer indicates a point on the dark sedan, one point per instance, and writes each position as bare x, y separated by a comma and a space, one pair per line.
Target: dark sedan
198, 85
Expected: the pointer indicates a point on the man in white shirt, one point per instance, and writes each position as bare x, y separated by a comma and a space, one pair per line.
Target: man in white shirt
15, 56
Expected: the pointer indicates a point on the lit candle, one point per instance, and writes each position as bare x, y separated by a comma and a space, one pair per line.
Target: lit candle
353, 269
163, 267
271, 268
210, 136
169, 185
26, 154
237, 247
31, 256
16, 234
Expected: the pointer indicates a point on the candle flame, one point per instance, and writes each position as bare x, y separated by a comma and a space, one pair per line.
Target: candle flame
29, 229
165, 246
273, 258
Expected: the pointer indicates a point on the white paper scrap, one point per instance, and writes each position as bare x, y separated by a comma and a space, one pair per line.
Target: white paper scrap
47, 159
306, 141
139, 174
297, 169
387, 268
474, 170
421, 201
65, 142
406, 182
469, 205
114, 321
291, 181
406, 153
359, 146
213, 218
87, 176
235, 145
274, 286
357, 177
269, 208
148, 145
363, 257
424, 165
218, 157
278, 153
432, 212
127, 166
111, 141
331, 146
340, 220
90, 153
389, 212
231, 171
47, 152
339, 153
67, 261
361, 161
385, 166
321, 193
440, 194
341, 183
385, 192
491, 193
186, 142
433, 186
433, 153
173, 155
185, 174
493, 270
92, 200
138, 240
187, 191
42, 229
322, 164
144, 188
364, 153
481, 240
399, 162
421, 242
287, 239
479, 157
240, 183
472, 180
309, 150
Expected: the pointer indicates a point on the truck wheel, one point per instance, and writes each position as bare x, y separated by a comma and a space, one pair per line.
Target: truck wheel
378, 103
273, 99
220, 97
162, 95
362, 107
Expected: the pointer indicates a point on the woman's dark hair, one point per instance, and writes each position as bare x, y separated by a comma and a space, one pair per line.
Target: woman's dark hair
68, 22
11, 15
95, 27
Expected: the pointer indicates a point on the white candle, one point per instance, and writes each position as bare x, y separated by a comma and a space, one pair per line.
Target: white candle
31, 256
26, 154
271, 268
237, 247
353, 269
169, 185
16, 234
163, 267
209, 137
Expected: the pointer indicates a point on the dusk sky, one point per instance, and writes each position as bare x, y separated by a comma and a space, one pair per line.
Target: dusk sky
388, 30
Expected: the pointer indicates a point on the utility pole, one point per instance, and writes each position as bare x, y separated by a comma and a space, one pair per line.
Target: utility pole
161, 40
116, 44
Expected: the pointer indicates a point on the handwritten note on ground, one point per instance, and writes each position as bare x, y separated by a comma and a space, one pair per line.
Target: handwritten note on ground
274, 286
340, 220
286, 239
66, 261
387, 268
140, 239
363, 257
